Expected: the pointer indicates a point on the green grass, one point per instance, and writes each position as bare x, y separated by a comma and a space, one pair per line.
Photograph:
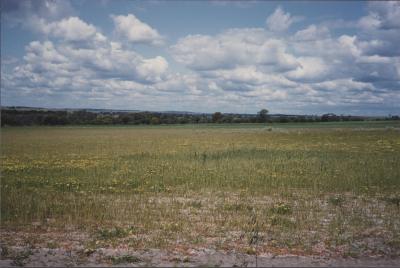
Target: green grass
154, 186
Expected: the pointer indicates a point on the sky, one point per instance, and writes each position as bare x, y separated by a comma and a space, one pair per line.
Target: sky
294, 57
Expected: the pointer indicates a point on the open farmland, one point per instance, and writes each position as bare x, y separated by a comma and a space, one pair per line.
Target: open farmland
107, 193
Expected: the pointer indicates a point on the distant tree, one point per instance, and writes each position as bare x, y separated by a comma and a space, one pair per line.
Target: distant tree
329, 117
54, 119
155, 120
283, 119
125, 119
216, 118
262, 116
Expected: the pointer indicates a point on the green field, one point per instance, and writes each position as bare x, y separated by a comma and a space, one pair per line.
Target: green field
253, 188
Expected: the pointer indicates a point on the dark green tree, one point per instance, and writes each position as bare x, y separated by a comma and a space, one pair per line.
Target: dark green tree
216, 117
262, 116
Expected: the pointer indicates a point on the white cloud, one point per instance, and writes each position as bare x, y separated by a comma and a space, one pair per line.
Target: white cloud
311, 68
249, 75
348, 43
153, 69
43, 52
382, 14
381, 29
312, 32
67, 65
280, 21
73, 29
135, 30
232, 48
343, 85
108, 61
369, 22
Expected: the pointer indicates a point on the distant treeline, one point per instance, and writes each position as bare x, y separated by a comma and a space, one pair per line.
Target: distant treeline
17, 117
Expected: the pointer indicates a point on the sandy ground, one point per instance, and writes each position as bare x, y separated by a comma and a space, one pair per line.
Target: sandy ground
20, 256
67, 248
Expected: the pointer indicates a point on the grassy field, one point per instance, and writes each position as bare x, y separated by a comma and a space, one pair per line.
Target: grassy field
284, 188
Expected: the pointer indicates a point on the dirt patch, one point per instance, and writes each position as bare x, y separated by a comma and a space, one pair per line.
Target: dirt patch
57, 249
194, 257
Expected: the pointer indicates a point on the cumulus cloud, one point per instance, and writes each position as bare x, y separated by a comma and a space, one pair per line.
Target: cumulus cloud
369, 22
382, 15
135, 30
232, 48
47, 59
280, 21
72, 29
313, 66
310, 69
240, 67
152, 69
312, 32
381, 29
77, 61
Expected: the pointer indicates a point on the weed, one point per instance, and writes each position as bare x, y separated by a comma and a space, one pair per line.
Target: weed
250, 251
281, 208
198, 240
20, 258
238, 207
52, 245
195, 204
89, 251
395, 200
116, 232
394, 243
282, 222
254, 236
336, 200
175, 259
4, 251
124, 259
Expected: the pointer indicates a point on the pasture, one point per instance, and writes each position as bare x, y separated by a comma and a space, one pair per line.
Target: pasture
306, 189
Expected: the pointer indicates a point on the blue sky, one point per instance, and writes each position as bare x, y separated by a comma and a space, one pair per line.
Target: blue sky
302, 57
